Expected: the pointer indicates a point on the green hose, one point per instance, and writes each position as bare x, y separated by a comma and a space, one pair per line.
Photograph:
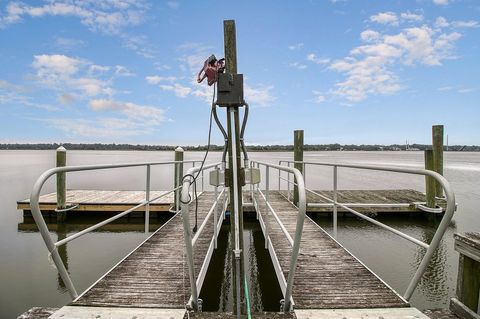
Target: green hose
247, 299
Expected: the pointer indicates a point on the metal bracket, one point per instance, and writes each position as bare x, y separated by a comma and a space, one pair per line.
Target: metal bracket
66, 209
200, 304
252, 175
237, 253
282, 305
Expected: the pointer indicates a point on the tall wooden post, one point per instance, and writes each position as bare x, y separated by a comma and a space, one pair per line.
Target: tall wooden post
178, 175
467, 304
437, 146
429, 181
61, 160
297, 156
230, 44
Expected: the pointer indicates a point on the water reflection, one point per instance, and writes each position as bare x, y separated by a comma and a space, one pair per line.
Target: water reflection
264, 291
434, 284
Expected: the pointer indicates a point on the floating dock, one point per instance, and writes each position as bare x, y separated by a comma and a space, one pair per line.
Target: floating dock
369, 201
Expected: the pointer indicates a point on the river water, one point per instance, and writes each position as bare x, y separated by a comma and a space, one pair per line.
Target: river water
27, 278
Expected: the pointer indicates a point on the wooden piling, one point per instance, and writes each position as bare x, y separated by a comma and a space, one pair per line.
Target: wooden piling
466, 305
297, 156
61, 160
178, 176
230, 47
437, 146
429, 181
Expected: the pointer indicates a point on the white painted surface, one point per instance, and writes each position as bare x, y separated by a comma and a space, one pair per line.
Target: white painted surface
377, 313
78, 312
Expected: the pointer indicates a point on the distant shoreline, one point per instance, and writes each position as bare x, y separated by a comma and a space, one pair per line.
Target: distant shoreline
254, 148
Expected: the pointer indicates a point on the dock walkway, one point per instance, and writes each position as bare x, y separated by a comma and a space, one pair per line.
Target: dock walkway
327, 275
155, 274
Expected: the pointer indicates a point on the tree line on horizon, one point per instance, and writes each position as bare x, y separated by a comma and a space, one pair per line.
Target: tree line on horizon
265, 148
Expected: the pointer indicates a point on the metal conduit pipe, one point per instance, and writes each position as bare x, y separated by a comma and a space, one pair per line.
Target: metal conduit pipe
242, 131
224, 133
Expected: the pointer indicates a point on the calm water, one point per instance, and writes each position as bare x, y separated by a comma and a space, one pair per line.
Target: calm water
27, 279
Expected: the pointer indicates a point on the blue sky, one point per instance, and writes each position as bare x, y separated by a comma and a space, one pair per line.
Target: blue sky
345, 71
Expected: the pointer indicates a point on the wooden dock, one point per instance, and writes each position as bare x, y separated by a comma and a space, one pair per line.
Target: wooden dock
368, 201
327, 275
102, 201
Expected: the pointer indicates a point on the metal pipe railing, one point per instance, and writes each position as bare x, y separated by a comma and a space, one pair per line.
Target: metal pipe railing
302, 206
431, 248
188, 180
43, 228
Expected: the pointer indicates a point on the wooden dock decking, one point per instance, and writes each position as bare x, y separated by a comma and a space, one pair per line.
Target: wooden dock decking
376, 201
155, 275
327, 275
102, 201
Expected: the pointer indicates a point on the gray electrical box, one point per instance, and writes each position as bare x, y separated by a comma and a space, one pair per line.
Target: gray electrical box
230, 89
217, 177
252, 175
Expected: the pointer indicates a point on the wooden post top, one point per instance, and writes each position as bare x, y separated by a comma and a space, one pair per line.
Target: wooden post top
468, 244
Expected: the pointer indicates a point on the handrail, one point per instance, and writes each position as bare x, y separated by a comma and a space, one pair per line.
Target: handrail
188, 180
302, 206
43, 228
449, 211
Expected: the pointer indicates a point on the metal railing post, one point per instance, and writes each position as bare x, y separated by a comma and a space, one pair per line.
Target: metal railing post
267, 184
335, 214
147, 199
267, 237
288, 183
187, 233
215, 212
302, 207
178, 157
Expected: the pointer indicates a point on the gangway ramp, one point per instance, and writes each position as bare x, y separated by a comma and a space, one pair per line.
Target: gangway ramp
155, 274
327, 276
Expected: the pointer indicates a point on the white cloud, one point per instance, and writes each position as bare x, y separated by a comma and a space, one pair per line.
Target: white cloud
319, 97
178, 89
445, 88
155, 79
66, 99
385, 18
369, 69
466, 90
313, 58
370, 36
64, 73
411, 16
297, 65
259, 95
68, 44
441, 22
465, 24
120, 70
295, 46
105, 16
148, 115
441, 2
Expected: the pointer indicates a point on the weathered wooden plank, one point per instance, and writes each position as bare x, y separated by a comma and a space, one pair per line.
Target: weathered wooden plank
117, 313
